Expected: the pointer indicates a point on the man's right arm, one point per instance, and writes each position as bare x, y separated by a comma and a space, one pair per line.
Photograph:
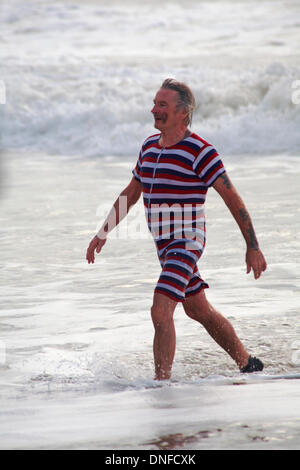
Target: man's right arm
128, 197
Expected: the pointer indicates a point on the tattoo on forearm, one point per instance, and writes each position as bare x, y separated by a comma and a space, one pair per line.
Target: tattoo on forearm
250, 230
226, 181
244, 215
253, 240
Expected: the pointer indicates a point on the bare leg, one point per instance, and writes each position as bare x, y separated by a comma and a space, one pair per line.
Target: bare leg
164, 343
220, 329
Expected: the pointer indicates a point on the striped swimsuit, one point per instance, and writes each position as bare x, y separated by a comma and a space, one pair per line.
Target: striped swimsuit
175, 181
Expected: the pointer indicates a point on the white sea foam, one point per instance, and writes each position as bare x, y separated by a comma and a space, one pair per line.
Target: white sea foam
80, 77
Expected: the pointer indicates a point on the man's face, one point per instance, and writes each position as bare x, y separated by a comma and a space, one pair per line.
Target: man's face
165, 112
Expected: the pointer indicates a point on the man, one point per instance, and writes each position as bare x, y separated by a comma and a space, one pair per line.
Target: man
174, 171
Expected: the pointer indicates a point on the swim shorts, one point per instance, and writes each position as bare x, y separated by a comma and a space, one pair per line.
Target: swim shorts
180, 277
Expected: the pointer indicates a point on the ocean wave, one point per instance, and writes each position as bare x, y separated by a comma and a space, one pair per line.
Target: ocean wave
107, 112
80, 77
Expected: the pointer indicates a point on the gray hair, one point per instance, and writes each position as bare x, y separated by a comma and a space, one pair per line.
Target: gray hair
186, 98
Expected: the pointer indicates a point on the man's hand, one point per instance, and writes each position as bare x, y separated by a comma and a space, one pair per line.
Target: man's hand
96, 244
255, 260
131, 195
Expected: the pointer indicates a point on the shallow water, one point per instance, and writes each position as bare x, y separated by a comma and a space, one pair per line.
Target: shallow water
76, 359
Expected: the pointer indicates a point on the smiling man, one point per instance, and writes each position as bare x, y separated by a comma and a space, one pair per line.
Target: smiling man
174, 171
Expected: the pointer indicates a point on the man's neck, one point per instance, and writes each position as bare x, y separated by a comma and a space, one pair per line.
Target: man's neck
167, 138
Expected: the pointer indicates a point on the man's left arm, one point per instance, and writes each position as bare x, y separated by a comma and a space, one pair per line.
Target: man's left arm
254, 258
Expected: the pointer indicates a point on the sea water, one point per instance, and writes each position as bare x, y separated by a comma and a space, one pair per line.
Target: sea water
77, 84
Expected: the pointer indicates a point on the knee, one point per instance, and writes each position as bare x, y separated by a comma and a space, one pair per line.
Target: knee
162, 310
194, 314
198, 313
160, 317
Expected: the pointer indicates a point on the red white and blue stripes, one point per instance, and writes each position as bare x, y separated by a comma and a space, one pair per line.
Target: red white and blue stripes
175, 181
180, 277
